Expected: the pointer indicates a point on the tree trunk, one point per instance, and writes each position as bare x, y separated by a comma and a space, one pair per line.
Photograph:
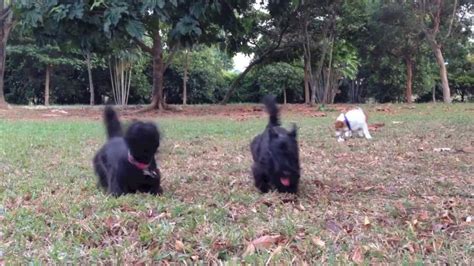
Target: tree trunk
46, 84
185, 78
236, 82
158, 72
434, 94
89, 74
306, 82
5, 27
409, 89
327, 88
436, 48
284, 96
443, 73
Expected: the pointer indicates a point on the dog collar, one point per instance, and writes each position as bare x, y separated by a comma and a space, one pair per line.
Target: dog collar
347, 122
137, 164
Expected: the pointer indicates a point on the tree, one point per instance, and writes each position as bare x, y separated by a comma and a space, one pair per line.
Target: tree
6, 25
281, 79
48, 56
207, 69
432, 18
153, 26
267, 35
397, 34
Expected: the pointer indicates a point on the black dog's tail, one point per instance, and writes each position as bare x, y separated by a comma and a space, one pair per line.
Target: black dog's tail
270, 104
112, 123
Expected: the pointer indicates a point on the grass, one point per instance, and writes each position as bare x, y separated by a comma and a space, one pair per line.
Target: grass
390, 200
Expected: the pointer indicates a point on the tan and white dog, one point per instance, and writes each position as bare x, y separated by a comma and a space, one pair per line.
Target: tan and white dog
353, 121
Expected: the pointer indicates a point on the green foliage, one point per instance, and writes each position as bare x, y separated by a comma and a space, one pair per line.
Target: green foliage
207, 79
47, 55
370, 42
272, 79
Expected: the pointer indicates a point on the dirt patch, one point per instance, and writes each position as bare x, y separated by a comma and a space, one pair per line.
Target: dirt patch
234, 111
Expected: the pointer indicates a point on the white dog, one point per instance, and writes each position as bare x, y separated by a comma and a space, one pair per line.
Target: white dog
353, 121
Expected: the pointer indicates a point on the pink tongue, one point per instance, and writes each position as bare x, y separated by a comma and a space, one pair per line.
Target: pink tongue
285, 181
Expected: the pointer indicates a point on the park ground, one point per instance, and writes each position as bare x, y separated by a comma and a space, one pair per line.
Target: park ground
404, 197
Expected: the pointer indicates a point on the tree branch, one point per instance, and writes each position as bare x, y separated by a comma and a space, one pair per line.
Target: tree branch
437, 17
6, 12
170, 58
452, 18
142, 45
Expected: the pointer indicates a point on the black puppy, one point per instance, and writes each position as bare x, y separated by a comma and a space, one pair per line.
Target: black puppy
275, 154
126, 164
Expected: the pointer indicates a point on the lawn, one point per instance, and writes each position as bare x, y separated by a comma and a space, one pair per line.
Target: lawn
393, 199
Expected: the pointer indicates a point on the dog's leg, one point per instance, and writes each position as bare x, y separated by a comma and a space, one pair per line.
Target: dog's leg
360, 133
261, 181
365, 129
114, 187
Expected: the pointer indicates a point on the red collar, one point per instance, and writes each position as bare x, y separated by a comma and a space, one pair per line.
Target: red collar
139, 165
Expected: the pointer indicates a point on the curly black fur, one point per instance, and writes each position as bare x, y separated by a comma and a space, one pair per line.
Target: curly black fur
117, 176
275, 154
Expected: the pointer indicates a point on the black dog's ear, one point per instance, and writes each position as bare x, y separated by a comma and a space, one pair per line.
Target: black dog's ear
273, 133
293, 132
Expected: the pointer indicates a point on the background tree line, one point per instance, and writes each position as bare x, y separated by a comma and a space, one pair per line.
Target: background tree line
180, 51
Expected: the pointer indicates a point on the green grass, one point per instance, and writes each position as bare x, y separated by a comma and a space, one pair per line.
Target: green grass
416, 200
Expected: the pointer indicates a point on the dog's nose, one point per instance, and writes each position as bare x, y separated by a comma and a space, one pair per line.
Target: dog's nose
286, 173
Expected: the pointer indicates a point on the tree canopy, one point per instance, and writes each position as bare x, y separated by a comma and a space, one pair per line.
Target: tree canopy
304, 51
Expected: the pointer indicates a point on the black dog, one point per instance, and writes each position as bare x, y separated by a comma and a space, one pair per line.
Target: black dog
275, 154
126, 164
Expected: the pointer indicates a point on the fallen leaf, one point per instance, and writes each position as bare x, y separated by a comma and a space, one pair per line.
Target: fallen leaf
179, 246
397, 122
468, 149
319, 114
300, 207
469, 219
383, 109
265, 241
357, 255
410, 247
249, 250
423, 216
194, 258
376, 126
441, 149
318, 242
366, 221
275, 252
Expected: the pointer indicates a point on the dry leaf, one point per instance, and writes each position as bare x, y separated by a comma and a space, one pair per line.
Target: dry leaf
249, 250
275, 252
300, 207
441, 149
357, 255
319, 114
366, 221
469, 219
179, 246
194, 258
423, 216
265, 241
468, 149
376, 126
318, 242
